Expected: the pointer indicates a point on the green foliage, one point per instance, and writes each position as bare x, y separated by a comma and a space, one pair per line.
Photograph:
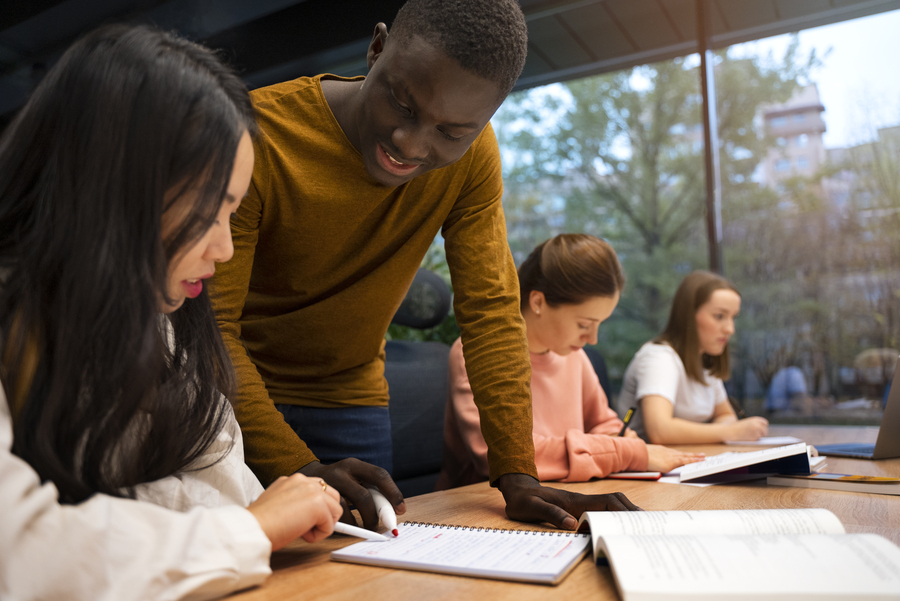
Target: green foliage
620, 156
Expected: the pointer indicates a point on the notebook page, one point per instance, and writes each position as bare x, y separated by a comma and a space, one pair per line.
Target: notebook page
505, 554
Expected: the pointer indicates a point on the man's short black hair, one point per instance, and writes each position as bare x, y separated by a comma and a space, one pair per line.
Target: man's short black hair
486, 37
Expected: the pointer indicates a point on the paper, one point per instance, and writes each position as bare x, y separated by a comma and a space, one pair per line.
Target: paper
674, 477
724, 462
732, 521
775, 441
802, 567
508, 554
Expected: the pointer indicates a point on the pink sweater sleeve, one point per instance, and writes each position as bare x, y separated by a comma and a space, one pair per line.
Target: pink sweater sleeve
578, 456
572, 455
465, 411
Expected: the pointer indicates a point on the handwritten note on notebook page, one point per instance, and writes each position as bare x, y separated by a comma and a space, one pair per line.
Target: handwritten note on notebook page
526, 556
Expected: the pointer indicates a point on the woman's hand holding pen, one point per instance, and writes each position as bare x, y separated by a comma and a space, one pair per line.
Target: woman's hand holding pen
751, 428
351, 477
296, 506
663, 459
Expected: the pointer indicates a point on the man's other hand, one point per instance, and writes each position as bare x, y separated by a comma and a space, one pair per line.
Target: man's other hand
528, 501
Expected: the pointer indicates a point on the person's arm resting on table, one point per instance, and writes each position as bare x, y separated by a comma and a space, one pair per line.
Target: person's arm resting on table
486, 303
664, 428
574, 456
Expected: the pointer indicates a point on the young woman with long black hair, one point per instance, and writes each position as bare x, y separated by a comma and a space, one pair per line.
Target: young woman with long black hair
121, 464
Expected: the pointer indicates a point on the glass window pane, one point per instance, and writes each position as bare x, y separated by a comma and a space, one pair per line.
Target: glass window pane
596, 155
818, 314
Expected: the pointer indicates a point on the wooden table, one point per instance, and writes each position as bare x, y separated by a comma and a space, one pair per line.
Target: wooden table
304, 571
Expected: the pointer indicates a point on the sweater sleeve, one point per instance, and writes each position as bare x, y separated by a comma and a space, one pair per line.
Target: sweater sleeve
466, 413
486, 303
271, 447
109, 548
578, 456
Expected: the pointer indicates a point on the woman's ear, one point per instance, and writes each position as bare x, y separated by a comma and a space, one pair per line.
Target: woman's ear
536, 301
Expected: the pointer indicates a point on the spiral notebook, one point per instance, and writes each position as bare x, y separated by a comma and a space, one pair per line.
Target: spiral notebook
519, 555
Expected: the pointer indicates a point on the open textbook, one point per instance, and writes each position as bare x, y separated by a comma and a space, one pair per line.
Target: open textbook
771, 554
789, 459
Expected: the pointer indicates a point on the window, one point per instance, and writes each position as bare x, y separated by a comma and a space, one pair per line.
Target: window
821, 321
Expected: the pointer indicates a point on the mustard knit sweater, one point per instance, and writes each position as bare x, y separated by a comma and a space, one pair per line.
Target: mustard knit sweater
323, 257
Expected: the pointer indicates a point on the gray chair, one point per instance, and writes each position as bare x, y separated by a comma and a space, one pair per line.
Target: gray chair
599, 365
416, 373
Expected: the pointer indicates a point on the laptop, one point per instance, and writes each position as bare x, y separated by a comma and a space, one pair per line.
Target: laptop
887, 445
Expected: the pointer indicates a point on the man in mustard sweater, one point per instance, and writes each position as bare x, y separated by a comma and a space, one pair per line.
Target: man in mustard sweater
353, 180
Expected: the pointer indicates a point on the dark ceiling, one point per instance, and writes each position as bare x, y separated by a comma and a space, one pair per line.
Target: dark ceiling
276, 40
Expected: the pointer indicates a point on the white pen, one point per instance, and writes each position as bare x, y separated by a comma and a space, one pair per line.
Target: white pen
385, 511
360, 532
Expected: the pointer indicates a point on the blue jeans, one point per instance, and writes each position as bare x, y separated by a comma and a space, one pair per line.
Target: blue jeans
335, 434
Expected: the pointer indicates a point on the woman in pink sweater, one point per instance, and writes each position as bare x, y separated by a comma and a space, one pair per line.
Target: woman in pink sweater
569, 285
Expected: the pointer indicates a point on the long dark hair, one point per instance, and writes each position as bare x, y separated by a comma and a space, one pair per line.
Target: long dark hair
570, 269
681, 330
128, 123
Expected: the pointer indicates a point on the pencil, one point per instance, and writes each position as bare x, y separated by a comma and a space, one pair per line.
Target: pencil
628, 415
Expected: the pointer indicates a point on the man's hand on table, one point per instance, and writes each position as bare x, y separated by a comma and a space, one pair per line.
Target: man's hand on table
350, 477
528, 501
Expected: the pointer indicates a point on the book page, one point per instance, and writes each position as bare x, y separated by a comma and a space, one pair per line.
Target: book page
728, 461
796, 567
720, 521
766, 441
515, 555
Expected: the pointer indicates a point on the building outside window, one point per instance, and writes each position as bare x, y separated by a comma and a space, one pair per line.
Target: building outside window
592, 155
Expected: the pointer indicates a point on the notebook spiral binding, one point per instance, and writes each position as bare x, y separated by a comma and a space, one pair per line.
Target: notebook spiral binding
483, 529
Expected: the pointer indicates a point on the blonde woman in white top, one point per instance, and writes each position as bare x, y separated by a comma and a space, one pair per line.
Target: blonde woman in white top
676, 380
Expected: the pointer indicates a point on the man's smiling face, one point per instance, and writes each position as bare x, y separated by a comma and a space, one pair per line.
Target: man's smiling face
419, 110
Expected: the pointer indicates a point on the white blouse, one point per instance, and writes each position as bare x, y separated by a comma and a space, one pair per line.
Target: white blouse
657, 369
186, 537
